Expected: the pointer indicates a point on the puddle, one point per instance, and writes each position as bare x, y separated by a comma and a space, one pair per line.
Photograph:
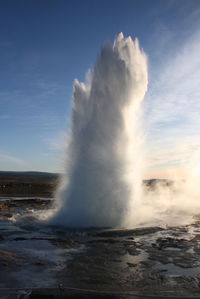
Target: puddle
135, 259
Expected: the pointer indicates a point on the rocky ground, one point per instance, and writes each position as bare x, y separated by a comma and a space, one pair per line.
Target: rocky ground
37, 256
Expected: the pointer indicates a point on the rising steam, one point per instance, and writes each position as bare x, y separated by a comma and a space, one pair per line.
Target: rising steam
102, 181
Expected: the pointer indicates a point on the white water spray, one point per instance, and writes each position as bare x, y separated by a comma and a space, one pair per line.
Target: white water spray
102, 179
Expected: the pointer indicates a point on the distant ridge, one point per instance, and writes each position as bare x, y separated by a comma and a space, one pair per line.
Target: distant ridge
29, 173
38, 183
28, 183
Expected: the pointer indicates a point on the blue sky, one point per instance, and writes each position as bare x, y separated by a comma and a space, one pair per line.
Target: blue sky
45, 44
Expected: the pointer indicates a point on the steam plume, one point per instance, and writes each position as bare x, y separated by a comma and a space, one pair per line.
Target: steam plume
102, 177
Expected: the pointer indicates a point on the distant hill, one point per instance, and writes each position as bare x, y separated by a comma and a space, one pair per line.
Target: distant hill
28, 173
31, 183
34, 183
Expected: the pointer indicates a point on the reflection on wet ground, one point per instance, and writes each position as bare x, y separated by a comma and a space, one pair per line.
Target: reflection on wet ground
151, 260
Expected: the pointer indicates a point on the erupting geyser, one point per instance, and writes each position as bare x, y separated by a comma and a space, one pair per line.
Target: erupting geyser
102, 177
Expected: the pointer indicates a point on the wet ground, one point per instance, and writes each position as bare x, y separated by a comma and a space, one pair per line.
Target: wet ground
152, 260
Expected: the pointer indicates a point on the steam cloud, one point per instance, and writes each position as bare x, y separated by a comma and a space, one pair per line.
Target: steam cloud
102, 177
102, 184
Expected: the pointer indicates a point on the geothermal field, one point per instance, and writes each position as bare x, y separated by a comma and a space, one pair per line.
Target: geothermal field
101, 230
36, 257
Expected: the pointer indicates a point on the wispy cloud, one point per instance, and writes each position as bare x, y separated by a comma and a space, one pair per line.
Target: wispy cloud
173, 105
7, 158
57, 143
